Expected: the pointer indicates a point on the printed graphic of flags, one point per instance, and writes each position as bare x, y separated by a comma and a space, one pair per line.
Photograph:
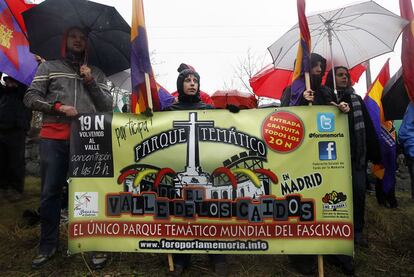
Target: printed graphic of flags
146, 95
15, 57
385, 171
302, 62
407, 51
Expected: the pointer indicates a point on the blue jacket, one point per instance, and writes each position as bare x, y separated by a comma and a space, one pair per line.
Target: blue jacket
406, 132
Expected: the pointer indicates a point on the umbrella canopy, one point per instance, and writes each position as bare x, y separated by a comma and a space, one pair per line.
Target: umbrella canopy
109, 44
242, 100
357, 33
394, 97
122, 79
270, 82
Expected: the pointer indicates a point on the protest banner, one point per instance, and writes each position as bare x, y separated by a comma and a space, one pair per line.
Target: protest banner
264, 181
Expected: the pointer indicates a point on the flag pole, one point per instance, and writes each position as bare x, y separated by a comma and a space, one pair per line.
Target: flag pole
320, 266
170, 262
307, 84
149, 92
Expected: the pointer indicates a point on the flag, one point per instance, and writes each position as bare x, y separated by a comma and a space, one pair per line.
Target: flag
302, 62
15, 57
356, 72
17, 7
385, 171
407, 51
141, 65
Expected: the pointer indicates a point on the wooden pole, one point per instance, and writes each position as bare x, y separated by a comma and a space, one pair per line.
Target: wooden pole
320, 266
170, 262
307, 84
149, 93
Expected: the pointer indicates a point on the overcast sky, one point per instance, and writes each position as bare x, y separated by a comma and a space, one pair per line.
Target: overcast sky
214, 35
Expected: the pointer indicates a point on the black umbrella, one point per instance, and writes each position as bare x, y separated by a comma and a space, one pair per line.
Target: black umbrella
394, 97
109, 44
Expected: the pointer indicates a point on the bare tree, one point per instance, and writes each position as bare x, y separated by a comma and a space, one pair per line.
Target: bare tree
245, 69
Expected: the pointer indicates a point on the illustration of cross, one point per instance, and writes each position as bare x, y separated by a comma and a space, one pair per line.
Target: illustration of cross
193, 158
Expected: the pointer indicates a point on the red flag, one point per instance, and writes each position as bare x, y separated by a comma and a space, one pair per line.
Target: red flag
356, 72
407, 52
17, 7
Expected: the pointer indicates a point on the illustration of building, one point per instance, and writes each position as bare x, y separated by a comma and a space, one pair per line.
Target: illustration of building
193, 174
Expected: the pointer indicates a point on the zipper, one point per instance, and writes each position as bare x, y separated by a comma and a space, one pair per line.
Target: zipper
76, 91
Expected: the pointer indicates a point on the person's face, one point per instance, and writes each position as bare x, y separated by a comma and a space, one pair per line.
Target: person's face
190, 85
341, 78
76, 41
317, 69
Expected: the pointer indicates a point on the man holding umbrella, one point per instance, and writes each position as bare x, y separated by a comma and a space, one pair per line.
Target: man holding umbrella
61, 89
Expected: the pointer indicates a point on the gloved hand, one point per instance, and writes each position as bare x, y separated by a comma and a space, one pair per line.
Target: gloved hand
148, 112
233, 108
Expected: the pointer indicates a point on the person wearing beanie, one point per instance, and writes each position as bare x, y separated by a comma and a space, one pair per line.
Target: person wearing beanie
205, 98
188, 87
61, 89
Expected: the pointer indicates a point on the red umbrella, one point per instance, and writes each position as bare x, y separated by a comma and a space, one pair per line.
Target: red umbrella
205, 98
242, 100
270, 82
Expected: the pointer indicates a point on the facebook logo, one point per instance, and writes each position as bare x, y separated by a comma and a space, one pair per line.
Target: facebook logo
326, 122
327, 150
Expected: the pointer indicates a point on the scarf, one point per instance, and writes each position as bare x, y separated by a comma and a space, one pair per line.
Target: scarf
356, 121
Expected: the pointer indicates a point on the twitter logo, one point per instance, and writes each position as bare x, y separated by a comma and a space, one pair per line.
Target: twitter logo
326, 122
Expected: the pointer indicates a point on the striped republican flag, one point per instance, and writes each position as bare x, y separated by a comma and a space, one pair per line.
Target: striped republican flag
141, 99
385, 171
17, 7
302, 63
407, 52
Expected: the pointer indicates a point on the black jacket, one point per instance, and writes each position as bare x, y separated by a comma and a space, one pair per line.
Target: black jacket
182, 106
323, 96
371, 140
13, 113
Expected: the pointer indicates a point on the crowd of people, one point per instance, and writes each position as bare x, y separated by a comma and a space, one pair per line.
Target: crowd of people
65, 87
